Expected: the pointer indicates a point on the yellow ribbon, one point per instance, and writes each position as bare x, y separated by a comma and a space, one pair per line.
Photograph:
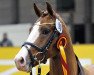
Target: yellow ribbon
64, 57
61, 46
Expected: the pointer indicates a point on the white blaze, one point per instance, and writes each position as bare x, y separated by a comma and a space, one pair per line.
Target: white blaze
32, 38
34, 34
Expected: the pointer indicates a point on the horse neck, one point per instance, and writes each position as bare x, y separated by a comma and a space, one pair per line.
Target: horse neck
70, 58
55, 65
70, 55
55, 62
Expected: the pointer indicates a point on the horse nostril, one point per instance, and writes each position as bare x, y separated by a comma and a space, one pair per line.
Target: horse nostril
21, 60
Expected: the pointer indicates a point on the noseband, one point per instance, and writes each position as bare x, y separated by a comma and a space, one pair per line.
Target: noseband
41, 50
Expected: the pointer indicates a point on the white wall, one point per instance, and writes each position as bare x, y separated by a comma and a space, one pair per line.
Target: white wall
17, 33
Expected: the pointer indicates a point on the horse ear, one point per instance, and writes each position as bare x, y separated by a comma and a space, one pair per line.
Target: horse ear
49, 9
37, 11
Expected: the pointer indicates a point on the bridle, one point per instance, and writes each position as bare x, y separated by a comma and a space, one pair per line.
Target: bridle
41, 50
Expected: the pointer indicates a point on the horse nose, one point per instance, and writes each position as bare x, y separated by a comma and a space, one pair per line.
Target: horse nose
20, 61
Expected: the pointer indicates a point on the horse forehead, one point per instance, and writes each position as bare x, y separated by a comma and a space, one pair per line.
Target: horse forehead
46, 19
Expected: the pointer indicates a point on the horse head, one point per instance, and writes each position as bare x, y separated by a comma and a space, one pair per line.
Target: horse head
41, 43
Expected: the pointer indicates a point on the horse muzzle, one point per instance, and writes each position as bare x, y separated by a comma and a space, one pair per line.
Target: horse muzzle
22, 65
22, 60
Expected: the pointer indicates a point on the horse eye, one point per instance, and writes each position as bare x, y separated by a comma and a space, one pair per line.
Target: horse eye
46, 31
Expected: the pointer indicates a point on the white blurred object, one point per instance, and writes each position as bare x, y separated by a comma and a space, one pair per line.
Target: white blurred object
85, 62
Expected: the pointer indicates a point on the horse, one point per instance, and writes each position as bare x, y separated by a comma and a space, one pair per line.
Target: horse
42, 44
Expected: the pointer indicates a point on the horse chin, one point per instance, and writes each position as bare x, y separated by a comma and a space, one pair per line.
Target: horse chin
27, 69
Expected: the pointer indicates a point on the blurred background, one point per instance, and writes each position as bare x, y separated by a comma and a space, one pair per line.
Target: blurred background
17, 16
